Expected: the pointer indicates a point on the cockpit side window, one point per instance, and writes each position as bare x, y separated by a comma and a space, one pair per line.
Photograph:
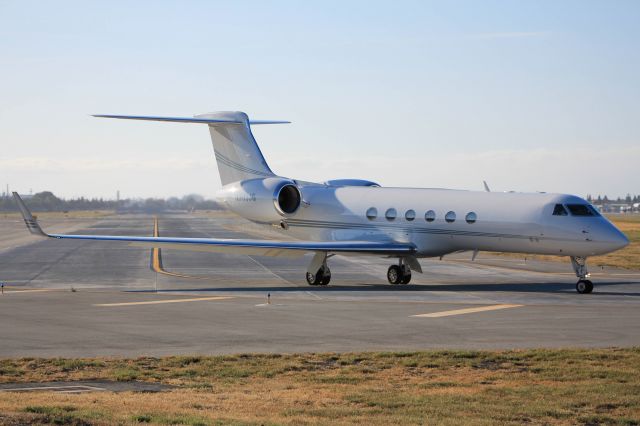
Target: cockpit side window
582, 210
559, 210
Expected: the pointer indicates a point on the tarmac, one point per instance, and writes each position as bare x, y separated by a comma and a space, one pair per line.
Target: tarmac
84, 299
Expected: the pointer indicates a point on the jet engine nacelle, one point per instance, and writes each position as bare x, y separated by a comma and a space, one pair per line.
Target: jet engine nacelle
262, 200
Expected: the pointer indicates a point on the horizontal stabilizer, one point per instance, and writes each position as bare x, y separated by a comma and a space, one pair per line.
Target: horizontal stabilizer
189, 119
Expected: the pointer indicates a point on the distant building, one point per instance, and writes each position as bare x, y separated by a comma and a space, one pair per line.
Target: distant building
618, 207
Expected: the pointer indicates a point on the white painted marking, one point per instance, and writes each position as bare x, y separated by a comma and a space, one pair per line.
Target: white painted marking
31, 291
314, 295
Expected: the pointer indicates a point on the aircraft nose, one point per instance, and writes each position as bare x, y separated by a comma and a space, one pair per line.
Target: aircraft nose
616, 239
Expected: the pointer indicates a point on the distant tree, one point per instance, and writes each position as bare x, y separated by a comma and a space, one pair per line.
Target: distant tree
173, 203
47, 201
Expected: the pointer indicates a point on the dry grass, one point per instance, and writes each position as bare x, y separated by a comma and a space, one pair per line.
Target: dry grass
447, 387
627, 258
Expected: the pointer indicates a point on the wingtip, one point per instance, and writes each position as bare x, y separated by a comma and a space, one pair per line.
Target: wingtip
29, 220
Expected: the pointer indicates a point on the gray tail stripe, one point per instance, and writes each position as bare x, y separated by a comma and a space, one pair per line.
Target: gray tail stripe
243, 169
227, 162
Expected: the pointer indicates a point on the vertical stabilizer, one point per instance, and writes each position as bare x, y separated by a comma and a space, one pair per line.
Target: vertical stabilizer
236, 150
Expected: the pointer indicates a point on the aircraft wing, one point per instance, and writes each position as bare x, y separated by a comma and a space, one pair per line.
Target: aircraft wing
235, 246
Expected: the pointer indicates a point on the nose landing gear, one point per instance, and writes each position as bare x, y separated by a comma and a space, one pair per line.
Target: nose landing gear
583, 286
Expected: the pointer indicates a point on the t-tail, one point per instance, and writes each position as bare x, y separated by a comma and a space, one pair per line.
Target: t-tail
237, 153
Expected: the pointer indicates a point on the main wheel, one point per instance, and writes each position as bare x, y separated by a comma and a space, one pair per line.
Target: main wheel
326, 277
394, 275
314, 279
584, 286
406, 278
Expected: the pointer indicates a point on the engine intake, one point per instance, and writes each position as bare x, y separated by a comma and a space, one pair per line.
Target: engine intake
265, 200
287, 199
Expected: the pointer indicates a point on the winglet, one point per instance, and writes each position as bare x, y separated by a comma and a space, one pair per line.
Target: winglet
32, 224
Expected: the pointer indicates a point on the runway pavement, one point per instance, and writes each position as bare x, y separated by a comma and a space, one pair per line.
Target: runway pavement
214, 303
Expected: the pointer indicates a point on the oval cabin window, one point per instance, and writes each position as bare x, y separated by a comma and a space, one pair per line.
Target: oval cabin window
471, 217
410, 215
450, 217
430, 216
372, 213
391, 214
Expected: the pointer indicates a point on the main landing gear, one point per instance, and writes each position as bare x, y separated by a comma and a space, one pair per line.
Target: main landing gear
318, 273
322, 277
583, 286
399, 274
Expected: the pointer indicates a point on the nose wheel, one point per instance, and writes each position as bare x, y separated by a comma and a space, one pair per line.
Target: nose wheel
584, 286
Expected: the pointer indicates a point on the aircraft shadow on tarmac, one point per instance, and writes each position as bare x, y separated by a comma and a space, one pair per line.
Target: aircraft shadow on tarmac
508, 287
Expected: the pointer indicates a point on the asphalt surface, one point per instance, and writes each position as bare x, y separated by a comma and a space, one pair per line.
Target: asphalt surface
71, 298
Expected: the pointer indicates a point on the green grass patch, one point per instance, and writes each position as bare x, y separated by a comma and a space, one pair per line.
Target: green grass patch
171, 420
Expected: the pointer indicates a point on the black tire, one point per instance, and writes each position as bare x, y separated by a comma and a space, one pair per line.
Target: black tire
406, 279
326, 277
584, 286
589, 287
314, 279
394, 275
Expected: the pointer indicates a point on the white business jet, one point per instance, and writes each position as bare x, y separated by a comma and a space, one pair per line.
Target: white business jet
358, 217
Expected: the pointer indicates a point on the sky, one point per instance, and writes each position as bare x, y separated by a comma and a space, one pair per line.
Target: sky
527, 95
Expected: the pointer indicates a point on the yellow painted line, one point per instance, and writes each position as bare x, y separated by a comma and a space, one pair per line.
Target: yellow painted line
156, 263
157, 302
466, 311
155, 250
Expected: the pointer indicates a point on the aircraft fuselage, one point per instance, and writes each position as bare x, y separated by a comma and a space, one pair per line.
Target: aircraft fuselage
436, 221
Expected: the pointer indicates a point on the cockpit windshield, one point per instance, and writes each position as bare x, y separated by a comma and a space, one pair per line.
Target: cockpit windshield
575, 210
559, 210
582, 210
